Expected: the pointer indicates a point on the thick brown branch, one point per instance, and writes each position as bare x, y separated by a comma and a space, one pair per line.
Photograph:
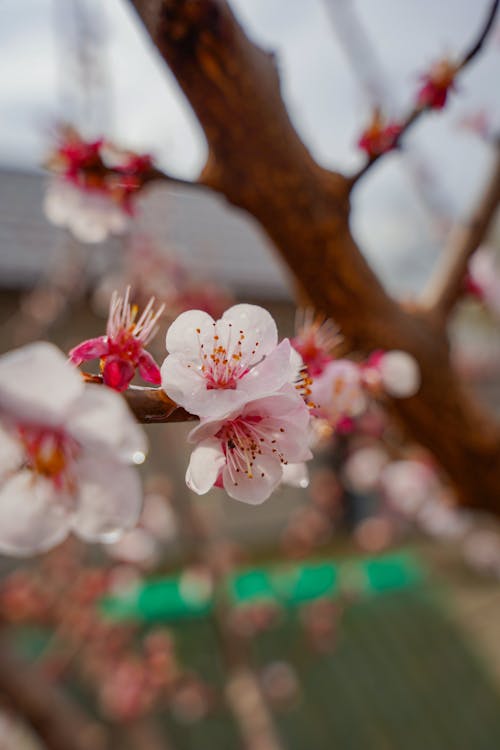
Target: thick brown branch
258, 161
59, 723
447, 283
418, 110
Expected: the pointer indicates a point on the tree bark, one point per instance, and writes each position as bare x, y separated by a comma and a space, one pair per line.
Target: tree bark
257, 160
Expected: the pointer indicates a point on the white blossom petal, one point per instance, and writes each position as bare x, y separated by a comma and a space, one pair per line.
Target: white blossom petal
110, 499
188, 388
101, 418
33, 516
182, 336
11, 453
205, 429
296, 475
258, 326
400, 374
267, 474
269, 375
206, 461
38, 384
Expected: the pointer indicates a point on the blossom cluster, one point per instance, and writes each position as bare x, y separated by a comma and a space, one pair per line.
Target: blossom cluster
382, 135
67, 443
66, 454
93, 187
340, 387
243, 384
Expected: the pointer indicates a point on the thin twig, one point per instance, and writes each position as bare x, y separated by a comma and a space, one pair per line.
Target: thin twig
447, 283
419, 109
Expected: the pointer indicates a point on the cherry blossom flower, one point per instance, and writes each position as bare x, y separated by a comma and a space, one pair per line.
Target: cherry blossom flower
246, 451
379, 136
215, 367
436, 84
122, 350
65, 450
91, 215
396, 372
315, 341
92, 190
338, 392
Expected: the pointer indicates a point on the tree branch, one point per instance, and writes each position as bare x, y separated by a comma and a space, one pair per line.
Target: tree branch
447, 283
258, 161
149, 405
418, 110
153, 406
59, 723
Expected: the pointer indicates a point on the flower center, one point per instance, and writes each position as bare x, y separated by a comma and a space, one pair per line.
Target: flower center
243, 440
51, 453
224, 362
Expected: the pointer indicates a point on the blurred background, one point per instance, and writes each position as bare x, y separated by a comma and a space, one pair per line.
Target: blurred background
360, 612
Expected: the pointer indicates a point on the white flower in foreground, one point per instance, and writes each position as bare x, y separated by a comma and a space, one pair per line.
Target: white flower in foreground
214, 367
91, 215
247, 451
64, 450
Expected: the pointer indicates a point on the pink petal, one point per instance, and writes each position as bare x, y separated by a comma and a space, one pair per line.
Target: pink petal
148, 369
90, 349
207, 460
267, 474
118, 373
278, 368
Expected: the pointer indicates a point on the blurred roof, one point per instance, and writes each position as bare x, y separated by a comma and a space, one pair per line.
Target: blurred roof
215, 240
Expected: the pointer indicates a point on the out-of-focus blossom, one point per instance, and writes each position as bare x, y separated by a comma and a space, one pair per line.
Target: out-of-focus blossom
395, 372
379, 136
338, 392
363, 467
436, 84
481, 550
93, 187
374, 534
479, 123
483, 279
66, 446
122, 350
215, 367
156, 529
246, 451
156, 271
280, 684
315, 340
90, 215
407, 485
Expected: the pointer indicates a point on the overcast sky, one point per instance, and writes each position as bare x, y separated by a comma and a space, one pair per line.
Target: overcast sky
137, 102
